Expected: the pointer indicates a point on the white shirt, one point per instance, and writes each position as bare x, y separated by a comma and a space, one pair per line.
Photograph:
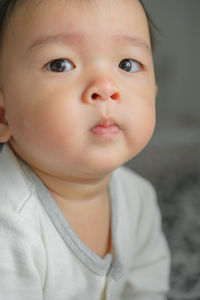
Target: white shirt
41, 258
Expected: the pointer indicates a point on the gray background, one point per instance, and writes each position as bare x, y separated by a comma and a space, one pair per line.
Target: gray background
171, 161
175, 145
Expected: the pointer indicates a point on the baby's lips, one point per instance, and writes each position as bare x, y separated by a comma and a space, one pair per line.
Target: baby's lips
106, 128
106, 123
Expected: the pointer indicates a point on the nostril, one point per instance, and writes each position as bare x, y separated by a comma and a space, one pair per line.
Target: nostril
115, 96
95, 96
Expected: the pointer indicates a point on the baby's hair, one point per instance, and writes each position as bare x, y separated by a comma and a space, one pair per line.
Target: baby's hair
7, 7
153, 29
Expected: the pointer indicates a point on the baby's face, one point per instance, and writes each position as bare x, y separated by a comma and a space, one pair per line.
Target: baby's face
78, 85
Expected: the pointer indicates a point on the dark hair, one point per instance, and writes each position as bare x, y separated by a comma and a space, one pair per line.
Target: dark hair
153, 29
8, 6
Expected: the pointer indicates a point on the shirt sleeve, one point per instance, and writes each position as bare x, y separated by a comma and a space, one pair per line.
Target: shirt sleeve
148, 278
22, 259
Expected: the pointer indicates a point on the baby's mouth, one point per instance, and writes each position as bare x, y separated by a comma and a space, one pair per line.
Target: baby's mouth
106, 128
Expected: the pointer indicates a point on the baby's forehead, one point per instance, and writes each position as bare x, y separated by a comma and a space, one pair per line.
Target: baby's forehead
15, 5
36, 12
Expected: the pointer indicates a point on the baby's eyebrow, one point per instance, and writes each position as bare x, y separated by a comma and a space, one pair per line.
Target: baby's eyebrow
55, 38
135, 41
80, 38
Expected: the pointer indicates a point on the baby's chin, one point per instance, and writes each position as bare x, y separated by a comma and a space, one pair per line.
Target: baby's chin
105, 164
106, 160
88, 168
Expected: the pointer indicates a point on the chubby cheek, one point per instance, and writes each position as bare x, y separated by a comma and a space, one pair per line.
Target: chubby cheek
54, 126
44, 124
141, 116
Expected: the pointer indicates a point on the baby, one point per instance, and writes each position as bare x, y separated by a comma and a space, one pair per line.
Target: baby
77, 100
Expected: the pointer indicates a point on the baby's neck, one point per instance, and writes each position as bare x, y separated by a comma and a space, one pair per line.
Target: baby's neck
89, 215
85, 203
76, 190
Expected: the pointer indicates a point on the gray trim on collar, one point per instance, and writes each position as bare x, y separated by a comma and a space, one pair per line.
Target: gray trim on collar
87, 256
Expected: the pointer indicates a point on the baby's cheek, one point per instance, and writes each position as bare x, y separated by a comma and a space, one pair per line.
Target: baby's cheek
53, 128
141, 126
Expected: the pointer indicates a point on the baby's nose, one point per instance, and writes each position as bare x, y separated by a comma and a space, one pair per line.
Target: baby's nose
101, 90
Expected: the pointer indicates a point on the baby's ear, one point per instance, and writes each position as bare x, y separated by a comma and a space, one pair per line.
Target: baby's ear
4, 128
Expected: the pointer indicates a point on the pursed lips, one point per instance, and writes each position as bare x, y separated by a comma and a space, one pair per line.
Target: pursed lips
106, 128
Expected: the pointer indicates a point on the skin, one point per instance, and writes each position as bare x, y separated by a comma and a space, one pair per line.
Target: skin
48, 116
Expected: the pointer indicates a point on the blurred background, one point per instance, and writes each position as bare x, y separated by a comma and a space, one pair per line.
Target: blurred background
176, 142
171, 161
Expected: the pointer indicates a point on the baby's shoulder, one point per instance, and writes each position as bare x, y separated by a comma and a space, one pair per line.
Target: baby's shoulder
135, 194
13, 186
133, 182
17, 199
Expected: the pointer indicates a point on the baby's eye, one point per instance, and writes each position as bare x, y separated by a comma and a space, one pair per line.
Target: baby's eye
130, 65
60, 65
